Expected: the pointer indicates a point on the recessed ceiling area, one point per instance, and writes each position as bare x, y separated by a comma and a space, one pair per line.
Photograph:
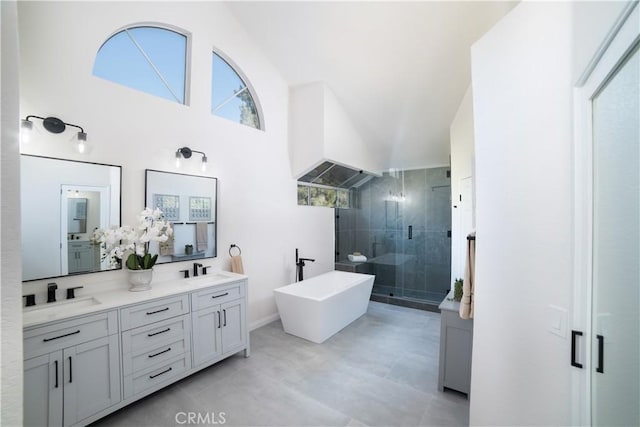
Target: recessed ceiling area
399, 69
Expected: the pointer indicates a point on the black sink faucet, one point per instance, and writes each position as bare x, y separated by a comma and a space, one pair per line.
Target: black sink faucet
195, 268
51, 292
300, 266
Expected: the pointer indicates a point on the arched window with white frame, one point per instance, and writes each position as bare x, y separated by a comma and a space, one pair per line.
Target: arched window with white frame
147, 57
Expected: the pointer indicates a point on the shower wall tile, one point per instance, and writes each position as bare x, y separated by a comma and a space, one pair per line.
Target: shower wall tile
379, 221
414, 206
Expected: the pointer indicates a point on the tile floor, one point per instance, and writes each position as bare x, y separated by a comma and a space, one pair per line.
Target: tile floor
382, 370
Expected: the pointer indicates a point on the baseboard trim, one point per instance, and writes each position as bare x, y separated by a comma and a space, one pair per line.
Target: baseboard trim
264, 321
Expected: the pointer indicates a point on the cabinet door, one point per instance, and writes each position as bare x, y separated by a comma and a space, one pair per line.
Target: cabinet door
85, 260
233, 325
91, 378
206, 335
43, 383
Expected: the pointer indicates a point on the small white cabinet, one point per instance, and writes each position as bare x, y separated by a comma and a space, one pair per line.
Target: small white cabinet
219, 323
83, 256
456, 344
74, 372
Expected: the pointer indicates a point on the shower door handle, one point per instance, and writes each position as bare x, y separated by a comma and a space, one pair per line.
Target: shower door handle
410, 232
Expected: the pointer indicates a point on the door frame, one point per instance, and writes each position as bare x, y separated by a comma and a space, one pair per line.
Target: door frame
621, 40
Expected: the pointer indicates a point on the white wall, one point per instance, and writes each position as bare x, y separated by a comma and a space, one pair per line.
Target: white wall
462, 158
10, 272
320, 130
257, 207
523, 73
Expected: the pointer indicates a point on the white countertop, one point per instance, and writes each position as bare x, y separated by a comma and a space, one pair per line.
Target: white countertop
448, 303
108, 300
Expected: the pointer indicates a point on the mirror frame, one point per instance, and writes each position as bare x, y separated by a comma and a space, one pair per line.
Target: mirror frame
215, 208
119, 201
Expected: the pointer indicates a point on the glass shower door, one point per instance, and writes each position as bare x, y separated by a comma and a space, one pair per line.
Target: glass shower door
615, 374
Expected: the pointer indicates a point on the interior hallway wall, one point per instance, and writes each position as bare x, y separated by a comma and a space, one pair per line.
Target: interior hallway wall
257, 204
524, 70
462, 159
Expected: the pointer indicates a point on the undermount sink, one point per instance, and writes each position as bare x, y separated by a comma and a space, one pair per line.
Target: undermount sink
210, 278
71, 304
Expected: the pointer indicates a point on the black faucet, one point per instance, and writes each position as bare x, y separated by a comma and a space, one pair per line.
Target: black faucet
195, 268
51, 292
300, 266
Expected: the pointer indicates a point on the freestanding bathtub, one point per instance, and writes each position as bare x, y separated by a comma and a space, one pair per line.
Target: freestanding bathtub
319, 307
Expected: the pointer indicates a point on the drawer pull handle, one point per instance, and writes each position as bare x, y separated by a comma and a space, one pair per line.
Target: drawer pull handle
149, 313
158, 333
61, 336
221, 295
157, 375
158, 354
56, 362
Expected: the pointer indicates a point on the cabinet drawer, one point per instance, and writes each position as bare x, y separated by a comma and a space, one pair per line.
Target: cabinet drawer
144, 314
158, 375
149, 336
45, 339
216, 296
141, 360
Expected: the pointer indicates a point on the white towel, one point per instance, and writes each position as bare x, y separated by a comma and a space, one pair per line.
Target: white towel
202, 241
466, 304
357, 258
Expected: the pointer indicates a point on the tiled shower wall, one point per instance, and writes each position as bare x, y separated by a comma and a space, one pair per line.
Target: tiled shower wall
377, 225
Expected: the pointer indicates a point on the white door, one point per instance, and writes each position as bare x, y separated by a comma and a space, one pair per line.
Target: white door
606, 340
615, 351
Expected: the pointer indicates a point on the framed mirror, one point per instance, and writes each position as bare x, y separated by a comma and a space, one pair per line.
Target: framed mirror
62, 203
189, 202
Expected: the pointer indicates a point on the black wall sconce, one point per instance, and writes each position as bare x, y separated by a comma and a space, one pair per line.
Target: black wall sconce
53, 125
186, 152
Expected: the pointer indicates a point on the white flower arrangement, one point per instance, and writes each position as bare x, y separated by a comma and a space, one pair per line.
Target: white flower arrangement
133, 242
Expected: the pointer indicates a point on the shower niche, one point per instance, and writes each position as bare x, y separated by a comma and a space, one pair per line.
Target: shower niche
401, 221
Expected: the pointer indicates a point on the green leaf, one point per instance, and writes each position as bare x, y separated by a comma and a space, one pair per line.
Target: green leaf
132, 262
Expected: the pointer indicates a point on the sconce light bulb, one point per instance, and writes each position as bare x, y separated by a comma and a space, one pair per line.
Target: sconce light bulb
82, 138
178, 159
204, 163
25, 131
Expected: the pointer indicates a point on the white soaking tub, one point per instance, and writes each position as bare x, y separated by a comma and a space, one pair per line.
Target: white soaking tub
317, 308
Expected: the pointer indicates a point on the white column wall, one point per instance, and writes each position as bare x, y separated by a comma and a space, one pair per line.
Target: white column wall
523, 74
10, 265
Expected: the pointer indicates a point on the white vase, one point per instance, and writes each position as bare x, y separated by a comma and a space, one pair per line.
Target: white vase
140, 280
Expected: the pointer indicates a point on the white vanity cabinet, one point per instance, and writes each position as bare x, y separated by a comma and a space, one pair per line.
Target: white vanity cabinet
219, 322
71, 370
83, 256
79, 368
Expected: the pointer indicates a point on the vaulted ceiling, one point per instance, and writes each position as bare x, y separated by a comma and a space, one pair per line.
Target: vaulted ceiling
400, 69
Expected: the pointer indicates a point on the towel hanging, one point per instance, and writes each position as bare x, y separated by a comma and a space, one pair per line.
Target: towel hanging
236, 260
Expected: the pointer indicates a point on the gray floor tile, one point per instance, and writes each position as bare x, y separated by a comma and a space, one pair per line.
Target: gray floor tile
382, 370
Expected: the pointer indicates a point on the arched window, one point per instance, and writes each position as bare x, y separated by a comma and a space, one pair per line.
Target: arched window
147, 58
231, 97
